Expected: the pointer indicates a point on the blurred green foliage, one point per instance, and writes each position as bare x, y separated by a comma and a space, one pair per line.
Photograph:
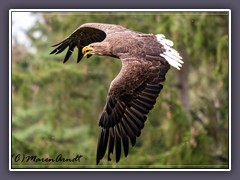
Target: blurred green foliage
56, 106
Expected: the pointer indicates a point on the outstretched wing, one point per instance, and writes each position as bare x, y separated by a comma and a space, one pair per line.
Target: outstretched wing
84, 35
131, 96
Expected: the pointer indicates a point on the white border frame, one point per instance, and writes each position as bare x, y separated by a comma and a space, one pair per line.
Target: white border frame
116, 10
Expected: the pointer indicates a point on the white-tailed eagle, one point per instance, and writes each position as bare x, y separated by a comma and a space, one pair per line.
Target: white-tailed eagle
146, 58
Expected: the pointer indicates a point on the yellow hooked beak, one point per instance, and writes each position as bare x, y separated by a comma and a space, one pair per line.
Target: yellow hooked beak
87, 50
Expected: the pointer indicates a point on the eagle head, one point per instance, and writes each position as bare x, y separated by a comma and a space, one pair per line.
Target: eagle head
99, 48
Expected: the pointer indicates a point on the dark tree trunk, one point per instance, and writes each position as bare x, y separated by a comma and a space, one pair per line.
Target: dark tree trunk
183, 82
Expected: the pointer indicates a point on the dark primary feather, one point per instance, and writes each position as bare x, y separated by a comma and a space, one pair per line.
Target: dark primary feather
83, 36
125, 113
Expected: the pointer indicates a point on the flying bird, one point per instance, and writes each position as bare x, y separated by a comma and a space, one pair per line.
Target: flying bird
146, 58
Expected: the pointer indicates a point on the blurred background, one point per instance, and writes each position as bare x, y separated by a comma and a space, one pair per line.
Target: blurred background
56, 106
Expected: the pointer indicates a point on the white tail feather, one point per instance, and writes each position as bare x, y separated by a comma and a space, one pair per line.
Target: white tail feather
170, 54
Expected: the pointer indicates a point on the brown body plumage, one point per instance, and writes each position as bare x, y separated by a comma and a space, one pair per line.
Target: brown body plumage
133, 93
